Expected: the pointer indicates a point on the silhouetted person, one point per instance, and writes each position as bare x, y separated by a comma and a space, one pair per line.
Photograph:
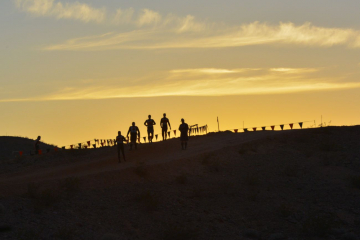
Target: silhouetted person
120, 145
134, 134
164, 123
184, 129
37, 142
150, 127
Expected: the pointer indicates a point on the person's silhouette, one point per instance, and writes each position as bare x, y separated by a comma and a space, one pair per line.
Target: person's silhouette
150, 127
120, 145
37, 142
164, 124
183, 128
134, 134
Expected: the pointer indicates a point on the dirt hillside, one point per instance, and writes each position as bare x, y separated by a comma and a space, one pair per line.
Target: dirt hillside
298, 184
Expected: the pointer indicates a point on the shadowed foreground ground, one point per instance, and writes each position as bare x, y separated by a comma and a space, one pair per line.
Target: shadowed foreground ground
299, 184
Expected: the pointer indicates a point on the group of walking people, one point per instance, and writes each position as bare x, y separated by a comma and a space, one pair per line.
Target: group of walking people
149, 123
135, 134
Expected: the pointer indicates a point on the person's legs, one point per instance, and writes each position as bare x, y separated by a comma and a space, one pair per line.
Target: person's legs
164, 132
118, 152
123, 152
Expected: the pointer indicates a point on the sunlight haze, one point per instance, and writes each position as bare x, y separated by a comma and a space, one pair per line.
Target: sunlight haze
72, 71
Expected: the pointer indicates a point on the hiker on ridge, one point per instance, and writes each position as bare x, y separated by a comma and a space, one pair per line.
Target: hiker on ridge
37, 142
150, 128
134, 134
184, 129
164, 123
120, 145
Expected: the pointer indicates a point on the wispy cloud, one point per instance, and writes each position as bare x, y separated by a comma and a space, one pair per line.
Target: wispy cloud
148, 17
78, 11
205, 82
248, 34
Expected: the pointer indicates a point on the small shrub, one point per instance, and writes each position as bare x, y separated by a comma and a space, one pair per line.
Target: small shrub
329, 147
252, 234
176, 232
71, 186
149, 200
110, 236
251, 180
27, 234
182, 179
32, 190
65, 233
285, 211
318, 225
197, 193
355, 181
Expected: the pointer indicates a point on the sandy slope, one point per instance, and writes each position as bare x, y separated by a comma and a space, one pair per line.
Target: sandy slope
302, 184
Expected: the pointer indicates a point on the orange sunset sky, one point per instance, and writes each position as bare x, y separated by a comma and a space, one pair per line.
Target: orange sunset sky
72, 71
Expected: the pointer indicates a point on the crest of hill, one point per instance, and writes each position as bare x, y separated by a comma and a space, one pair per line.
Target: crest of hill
10, 144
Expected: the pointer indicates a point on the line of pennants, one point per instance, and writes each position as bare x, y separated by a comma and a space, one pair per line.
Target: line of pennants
291, 125
112, 142
198, 130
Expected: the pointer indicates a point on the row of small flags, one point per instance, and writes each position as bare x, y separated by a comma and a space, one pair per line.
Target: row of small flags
291, 125
112, 142
198, 129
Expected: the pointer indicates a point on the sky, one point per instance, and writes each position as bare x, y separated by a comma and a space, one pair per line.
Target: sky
72, 71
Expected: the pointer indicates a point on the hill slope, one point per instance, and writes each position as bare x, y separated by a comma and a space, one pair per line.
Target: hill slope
10, 144
302, 184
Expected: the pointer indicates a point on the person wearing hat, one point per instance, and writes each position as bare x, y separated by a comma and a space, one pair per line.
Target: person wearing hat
184, 129
164, 123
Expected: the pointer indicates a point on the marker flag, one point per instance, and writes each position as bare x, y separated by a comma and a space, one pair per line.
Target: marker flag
245, 129
175, 133
20, 153
300, 124
254, 129
39, 152
169, 133
291, 125
71, 146
282, 127
235, 130
88, 142
272, 128
263, 128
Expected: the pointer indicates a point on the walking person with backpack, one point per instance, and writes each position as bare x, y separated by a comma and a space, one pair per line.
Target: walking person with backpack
134, 134
184, 129
164, 122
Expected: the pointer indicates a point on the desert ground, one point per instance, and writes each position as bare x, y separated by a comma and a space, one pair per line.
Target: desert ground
271, 185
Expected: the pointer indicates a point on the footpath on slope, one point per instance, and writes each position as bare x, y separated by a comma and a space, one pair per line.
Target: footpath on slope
148, 154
